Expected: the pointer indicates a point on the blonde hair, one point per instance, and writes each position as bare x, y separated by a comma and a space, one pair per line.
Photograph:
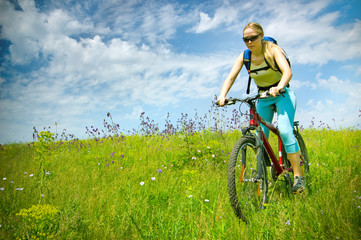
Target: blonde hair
266, 45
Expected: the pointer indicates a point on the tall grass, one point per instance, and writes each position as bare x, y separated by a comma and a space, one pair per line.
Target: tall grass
169, 185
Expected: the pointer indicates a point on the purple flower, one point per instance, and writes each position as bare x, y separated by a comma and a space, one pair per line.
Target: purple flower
160, 170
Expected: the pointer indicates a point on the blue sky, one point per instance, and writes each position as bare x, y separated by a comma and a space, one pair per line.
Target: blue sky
71, 62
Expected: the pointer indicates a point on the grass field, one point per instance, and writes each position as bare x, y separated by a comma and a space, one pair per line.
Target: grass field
170, 185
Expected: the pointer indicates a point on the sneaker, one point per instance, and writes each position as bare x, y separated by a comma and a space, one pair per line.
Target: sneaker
299, 185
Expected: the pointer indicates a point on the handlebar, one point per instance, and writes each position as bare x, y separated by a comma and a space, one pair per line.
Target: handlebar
232, 101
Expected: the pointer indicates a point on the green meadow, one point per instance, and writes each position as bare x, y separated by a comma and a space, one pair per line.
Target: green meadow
170, 185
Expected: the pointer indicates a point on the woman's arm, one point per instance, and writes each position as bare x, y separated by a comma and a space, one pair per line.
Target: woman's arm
237, 66
284, 68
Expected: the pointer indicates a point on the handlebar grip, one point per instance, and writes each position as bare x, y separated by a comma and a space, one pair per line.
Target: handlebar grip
229, 101
282, 91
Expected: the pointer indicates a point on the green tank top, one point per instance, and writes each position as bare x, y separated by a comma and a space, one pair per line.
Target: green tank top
265, 78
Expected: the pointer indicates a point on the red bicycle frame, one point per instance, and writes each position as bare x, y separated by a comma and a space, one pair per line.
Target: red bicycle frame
255, 120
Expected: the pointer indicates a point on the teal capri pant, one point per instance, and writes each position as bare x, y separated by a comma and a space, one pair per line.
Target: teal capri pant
286, 108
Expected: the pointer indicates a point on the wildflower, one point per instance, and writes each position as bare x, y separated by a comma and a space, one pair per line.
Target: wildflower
31, 175
42, 195
2, 189
153, 178
199, 151
190, 196
4, 178
288, 223
213, 155
194, 158
206, 200
122, 155
208, 147
141, 183
160, 170
19, 189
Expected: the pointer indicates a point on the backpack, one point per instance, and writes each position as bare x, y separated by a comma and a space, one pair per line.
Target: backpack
247, 61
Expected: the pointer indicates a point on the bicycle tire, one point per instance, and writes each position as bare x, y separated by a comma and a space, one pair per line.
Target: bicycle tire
249, 194
305, 167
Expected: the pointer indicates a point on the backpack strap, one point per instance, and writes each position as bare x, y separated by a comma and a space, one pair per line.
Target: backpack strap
247, 64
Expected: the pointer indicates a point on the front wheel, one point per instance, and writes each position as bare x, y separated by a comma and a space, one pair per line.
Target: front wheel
247, 178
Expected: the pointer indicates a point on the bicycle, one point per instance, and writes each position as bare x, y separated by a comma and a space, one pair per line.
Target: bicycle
250, 158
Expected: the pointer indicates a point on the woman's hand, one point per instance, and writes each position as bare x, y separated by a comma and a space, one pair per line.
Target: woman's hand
221, 101
274, 91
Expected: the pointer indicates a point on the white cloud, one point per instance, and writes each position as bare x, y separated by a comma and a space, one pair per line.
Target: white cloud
225, 14
90, 74
340, 107
309, 35
135, 114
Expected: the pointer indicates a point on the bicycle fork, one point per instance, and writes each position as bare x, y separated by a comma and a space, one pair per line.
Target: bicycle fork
259, 167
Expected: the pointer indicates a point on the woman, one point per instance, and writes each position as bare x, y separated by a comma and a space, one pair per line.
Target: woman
273, 79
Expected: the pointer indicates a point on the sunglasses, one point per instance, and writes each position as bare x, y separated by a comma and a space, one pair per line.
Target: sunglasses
252, 39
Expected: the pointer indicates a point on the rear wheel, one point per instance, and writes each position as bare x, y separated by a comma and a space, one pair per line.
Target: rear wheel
247, 178
303, 154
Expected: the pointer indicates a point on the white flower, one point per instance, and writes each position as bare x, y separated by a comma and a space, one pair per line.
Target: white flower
153, 178
4, 178
141, 183
288, 223
2, 189
206, 200
194, 158
31, 175
19, 189
190, 196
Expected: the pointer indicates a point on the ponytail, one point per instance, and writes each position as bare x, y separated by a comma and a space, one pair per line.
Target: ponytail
268, 53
